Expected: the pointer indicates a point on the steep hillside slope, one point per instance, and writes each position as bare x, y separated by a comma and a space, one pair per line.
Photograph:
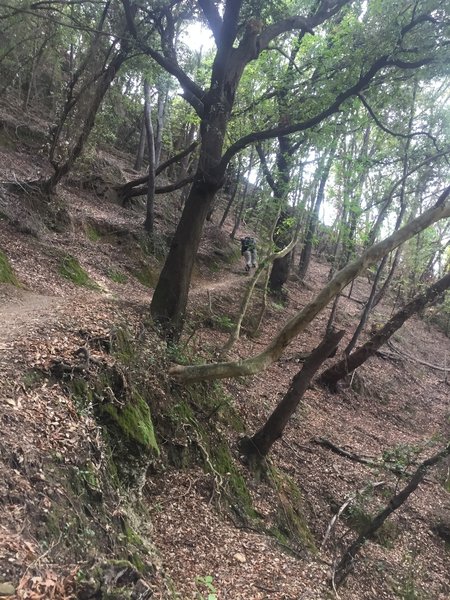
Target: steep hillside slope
98, 502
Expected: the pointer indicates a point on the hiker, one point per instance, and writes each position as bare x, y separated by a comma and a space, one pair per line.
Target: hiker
248, 251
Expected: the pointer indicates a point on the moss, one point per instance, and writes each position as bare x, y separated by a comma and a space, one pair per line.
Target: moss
31, 378
234, 483
199, 442
6, 272
446, 484
123, 346
147, 276
359, 520
71, 269
92, 234
117, 276
290, 518
135, 421
82, 394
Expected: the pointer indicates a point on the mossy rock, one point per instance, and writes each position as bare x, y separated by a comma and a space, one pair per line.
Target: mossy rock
6, 272
112, 580
71, 269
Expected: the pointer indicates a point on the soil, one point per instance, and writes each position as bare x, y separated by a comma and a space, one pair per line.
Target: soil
392, 408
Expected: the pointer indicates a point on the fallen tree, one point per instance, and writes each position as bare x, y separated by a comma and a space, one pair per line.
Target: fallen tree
255, 364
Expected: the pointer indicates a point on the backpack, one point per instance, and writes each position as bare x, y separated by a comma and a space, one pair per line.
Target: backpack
247, 243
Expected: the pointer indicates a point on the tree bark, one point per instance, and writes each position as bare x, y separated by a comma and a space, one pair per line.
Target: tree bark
301, 320
141, 148
258, 446
331, 376
367, 308
347, 561
305, 255
233, 194
102, 86
150, 209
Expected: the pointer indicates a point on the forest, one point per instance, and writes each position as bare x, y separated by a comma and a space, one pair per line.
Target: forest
224, 299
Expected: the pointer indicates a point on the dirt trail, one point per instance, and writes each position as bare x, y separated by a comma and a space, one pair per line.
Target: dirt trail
21, 311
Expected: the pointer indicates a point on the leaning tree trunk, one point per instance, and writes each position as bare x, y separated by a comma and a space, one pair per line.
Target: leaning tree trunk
141, 148
346, 563
150, 210
367, 308
298, 323
258, 446
171, 293
305, 255
233, 193
103, 84
331, 376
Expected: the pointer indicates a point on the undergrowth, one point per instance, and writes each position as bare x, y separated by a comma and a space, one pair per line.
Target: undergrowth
71, 269
6, 272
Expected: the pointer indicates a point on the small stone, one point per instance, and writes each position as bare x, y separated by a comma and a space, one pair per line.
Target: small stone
7, 589
240, 557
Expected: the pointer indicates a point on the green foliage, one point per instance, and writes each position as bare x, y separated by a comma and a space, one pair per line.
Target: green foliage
6, 271
401, 456
405, 586
92, 234
117, 276
71, 269
222, 323
290, 522
147, 276
206, 582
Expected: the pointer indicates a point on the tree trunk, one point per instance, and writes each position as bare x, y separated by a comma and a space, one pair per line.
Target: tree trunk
150, 210
347, 561
240, 209
258, 446
141, 148
305, 255
102, 87
232, 195
170, 298
331, 376
300, 321
367, 308
160, 119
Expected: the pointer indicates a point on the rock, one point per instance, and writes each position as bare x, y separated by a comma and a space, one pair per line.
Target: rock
240, 557
7, 589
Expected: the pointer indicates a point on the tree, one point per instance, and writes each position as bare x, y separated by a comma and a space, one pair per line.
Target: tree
384, 49
346, 563
350, 362
299, 322
257, 447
